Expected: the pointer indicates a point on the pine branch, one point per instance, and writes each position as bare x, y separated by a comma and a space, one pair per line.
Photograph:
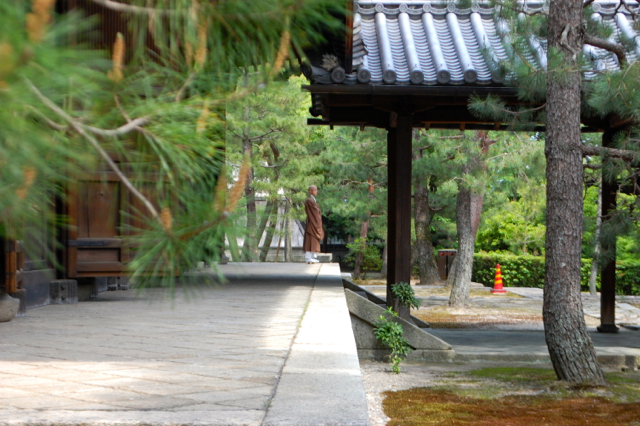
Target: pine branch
183, 88
587, 3
623, 154
264, 137
592, 166
121, 109
80, 129
614, 48
50, 123
128, 8
120, 131
131, 126
626, 6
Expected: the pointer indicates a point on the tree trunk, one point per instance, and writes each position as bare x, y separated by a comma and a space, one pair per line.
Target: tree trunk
461, 284
287, 233
569, 344
596, 249
383, 270
364, 230
249, 248
608, 244
264, 220
452, 273
428, 269
271, 229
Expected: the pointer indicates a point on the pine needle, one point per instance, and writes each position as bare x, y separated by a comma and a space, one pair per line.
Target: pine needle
238, 187
201, 52
220, 192
283, 52
29, 177
118, 59
38, 20
201, 125
166, 219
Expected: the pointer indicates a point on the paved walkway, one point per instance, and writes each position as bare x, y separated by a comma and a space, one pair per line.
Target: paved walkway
273, 347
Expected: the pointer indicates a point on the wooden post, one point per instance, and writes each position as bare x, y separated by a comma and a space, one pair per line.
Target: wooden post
399, 207
10, 266
608, 249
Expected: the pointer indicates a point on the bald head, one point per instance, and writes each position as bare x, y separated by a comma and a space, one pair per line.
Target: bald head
313, 190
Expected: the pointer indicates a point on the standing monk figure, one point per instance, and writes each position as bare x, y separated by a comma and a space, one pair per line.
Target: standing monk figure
313, 232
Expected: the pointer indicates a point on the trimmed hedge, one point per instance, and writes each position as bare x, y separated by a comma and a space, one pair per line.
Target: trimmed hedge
628, 277
528, 271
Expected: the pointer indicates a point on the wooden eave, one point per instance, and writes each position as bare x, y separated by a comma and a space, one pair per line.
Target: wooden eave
439, 107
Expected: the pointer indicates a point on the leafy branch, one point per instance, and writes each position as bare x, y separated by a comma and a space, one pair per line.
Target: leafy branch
391, 335
79, 128
405, 295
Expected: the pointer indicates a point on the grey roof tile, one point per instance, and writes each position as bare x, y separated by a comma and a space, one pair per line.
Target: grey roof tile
429, 42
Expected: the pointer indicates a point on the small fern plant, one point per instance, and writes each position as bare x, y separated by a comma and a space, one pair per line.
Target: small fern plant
405, 294
391, 334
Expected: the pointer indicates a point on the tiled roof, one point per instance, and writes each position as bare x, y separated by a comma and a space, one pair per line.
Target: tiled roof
434, 43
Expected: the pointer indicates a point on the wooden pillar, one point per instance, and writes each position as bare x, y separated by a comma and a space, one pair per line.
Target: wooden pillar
608, 249
399, 208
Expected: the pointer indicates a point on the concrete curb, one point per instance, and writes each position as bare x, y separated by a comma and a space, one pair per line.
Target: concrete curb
321, 382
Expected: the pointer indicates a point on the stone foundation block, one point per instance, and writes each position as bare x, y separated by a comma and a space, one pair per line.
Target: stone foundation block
21, 295
63, 291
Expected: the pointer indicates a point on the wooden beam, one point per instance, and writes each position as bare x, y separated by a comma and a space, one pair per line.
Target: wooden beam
399, 207
431, 125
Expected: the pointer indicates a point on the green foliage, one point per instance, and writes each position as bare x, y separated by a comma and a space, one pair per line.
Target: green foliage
391, 335
269, 126
628, 277
405, 294
353, 164
528, 271
517, 270
371, 254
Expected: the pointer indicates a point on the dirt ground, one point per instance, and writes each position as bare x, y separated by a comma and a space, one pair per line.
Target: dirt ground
484, 310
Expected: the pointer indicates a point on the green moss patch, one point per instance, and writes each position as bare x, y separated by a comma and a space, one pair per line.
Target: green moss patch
516, 397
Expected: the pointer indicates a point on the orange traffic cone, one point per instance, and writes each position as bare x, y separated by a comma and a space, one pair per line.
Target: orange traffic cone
497, 283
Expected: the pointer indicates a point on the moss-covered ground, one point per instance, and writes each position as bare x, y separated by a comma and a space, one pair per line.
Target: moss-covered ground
516, 396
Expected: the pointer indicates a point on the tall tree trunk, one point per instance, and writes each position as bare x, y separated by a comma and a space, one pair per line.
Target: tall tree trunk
569, 344
249, 247
287, 232
268, 239
364, 230
461, 284
264, 220
424, 252
383, 270
596, 249
608, 243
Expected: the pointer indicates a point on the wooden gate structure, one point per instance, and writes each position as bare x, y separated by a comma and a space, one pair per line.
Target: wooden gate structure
415, 64
97, 209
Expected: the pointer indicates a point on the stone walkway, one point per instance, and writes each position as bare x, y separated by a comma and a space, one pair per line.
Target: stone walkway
277, 350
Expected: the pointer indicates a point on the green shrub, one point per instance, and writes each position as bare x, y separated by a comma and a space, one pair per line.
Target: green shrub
405, 294
528, 271
628, 277
517, 270
372, 261
391, 335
